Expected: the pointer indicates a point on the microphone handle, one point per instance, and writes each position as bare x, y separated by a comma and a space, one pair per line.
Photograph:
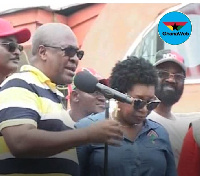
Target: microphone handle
112, 93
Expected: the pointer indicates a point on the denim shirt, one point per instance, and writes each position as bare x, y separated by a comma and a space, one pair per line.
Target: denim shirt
150, 154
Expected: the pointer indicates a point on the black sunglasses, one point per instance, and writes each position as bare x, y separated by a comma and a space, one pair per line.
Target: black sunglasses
69, 51
12, 46
139, 104
165, 75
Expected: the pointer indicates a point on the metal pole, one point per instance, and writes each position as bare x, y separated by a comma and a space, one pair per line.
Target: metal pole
106, 145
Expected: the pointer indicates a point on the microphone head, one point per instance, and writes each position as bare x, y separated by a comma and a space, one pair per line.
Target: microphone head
85, 81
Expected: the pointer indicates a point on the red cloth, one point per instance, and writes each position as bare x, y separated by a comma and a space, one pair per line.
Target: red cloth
189, 162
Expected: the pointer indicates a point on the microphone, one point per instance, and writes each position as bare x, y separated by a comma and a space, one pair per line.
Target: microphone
86, 82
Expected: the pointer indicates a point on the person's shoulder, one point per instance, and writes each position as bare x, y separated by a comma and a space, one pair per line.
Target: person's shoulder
87, 121
154, 116
153, 124
188, 116
25, 76
16, 80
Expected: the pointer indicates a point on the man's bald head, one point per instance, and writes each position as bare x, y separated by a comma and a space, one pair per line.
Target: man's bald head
51, 34
49, 45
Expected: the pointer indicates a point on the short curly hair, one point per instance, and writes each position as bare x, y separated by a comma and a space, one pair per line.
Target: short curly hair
132, 71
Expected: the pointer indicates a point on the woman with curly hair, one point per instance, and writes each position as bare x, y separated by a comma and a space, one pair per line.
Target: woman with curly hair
145, 149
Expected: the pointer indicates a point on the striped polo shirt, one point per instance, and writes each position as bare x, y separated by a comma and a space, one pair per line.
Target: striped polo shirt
29, 97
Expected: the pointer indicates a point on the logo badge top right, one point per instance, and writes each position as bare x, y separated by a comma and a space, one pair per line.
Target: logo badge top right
174, 28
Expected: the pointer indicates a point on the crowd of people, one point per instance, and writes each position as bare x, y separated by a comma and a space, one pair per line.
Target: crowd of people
39, 136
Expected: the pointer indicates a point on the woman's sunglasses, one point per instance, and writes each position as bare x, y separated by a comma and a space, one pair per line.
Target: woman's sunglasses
69, 51
139, 104
12, 46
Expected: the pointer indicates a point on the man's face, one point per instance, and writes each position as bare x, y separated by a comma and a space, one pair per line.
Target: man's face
170, 88
9, 60
59, 66
90, 102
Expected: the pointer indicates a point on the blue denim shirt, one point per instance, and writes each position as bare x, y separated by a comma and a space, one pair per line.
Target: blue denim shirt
149, 155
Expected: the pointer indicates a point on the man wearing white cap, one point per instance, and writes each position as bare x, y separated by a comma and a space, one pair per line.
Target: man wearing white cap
171, 73
171, 76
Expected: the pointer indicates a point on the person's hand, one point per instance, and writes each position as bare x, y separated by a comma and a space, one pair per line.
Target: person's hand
107, 131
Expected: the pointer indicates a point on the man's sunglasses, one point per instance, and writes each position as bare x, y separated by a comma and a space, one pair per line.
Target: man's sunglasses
12, 46
165, 75
69, 51
139, 104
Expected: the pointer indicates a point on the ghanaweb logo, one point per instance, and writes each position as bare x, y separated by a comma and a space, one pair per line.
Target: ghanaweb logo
174, 28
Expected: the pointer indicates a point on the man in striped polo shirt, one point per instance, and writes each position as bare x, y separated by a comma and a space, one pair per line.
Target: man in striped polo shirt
34, 138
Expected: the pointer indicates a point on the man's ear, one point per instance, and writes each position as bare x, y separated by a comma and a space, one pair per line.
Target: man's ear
74, 96
42, 52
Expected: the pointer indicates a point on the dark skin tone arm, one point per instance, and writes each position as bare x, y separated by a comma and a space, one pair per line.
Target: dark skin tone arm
28, 141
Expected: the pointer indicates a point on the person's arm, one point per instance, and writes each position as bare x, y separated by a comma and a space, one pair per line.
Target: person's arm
20, 110
28, 141
189, 161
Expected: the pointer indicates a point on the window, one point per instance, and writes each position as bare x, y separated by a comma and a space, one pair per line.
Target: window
150, 43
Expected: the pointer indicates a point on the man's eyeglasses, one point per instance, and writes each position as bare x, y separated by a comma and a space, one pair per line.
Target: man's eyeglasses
12, 46
139, 104
165, 75
69, 51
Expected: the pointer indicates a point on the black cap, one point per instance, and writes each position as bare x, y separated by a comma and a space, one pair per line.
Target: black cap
163, 56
